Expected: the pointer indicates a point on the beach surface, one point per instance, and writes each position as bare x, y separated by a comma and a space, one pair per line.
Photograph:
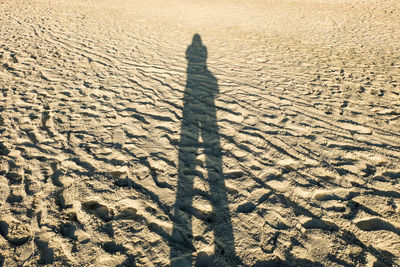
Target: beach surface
200, 133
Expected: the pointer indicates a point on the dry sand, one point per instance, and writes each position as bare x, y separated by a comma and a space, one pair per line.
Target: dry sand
272, 141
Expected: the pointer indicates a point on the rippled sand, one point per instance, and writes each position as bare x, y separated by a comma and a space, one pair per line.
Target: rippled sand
271, 138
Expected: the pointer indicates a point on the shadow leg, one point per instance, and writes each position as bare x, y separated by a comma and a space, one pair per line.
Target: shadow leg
223, 232
182, 243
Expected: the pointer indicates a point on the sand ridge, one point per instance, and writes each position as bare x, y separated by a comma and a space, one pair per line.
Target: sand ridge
294, 159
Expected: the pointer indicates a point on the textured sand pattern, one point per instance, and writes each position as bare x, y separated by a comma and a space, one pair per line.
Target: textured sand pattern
278, 145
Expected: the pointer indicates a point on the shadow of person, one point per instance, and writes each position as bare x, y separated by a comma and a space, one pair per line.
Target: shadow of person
199, 118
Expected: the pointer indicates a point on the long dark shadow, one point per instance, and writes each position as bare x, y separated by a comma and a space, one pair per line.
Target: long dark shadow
199, 118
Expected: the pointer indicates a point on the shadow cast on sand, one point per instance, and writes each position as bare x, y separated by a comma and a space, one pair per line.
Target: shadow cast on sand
200, 138
199, 119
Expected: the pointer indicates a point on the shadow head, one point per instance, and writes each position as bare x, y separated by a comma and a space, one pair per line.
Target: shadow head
196, 54
197, 39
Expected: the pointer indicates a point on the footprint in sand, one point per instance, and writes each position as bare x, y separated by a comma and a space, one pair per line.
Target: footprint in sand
98, 209
377, 224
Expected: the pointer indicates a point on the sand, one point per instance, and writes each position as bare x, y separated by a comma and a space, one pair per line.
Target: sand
200, 133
